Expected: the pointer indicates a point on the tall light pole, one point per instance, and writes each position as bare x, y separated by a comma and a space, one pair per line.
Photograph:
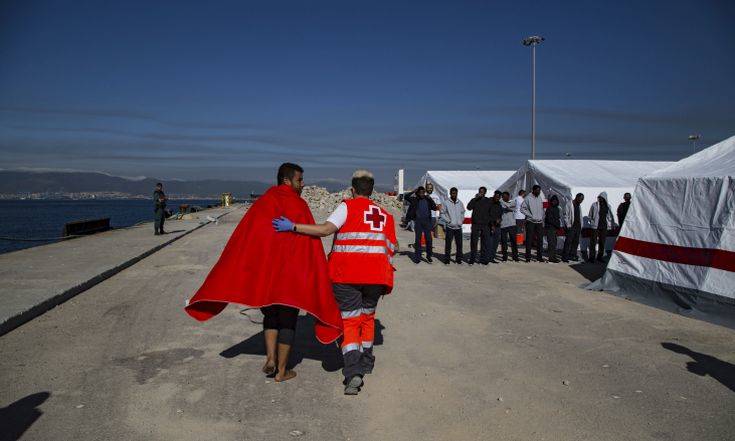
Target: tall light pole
533, 41
694, 139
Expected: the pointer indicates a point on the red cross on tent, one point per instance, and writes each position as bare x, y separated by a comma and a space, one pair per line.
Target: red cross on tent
375, 218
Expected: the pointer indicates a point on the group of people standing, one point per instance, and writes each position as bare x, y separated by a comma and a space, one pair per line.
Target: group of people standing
498, 221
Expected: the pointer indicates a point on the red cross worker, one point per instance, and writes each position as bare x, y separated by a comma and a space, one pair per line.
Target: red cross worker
360, 269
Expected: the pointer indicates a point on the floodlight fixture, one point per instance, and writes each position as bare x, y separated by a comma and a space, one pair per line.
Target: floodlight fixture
533, 40
694, 138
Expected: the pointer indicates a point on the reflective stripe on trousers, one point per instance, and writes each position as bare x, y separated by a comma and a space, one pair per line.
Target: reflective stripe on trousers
351, 347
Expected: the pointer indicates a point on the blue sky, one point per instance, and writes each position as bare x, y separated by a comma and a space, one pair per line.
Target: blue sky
229, 89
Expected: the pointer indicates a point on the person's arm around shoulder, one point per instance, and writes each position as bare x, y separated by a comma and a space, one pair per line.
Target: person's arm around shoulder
333, 223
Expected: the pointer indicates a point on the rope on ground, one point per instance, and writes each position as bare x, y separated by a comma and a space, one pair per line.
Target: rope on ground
244, 312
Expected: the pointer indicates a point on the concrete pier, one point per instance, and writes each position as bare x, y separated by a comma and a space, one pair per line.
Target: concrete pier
505, 352
37, 279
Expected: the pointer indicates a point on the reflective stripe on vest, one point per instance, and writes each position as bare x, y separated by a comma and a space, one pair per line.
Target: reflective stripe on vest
361, 236
359, 249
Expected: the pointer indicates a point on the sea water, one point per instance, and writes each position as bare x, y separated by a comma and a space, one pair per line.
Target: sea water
45, 219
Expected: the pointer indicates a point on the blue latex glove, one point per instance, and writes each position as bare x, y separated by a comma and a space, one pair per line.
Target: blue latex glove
282, 224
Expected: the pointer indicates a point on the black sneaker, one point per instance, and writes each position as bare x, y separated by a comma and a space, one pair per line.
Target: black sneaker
428, 259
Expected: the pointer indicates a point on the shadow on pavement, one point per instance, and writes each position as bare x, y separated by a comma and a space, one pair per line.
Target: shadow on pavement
19, 416
590, 271
305, 346
704, 364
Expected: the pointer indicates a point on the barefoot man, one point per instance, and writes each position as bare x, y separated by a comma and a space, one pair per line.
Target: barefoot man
360, 269
254, 270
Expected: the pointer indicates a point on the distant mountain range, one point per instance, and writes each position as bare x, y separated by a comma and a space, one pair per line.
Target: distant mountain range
25, 182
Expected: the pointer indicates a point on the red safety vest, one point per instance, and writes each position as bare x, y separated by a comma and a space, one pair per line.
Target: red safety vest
364, 247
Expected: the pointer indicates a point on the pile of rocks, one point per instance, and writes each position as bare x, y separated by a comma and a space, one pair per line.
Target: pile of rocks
323, 202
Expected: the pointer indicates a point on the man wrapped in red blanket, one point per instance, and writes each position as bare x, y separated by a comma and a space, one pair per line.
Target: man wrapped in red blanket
257, 269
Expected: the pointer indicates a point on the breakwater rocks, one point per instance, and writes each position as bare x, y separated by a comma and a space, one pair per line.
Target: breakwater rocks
322, 202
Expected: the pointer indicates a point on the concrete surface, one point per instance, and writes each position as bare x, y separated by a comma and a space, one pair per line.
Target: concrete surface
37, 279
509, 352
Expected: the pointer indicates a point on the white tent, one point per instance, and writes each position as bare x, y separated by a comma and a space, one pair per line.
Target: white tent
677, 247
567, 177
467, 183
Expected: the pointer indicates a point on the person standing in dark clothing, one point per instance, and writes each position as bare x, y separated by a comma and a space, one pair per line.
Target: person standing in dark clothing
419, 211
496, 215
552, 222
623, 209
572, 228
508, 227
159, 209
480, 206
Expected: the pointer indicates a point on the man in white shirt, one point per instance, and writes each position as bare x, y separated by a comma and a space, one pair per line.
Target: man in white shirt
518, 215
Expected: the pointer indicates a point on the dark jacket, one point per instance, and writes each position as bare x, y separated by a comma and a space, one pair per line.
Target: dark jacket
552, 218
622, 212
157, 203
413, 203
496, 213
480, 210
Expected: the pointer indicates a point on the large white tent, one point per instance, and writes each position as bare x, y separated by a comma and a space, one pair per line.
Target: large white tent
467, 183
677, 247
567, 177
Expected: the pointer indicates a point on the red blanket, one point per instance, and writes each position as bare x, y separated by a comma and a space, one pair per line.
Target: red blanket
260, 267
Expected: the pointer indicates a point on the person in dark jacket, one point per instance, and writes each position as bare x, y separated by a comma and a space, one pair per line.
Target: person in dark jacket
419, 211
552, 222
496, 215
480, 206
159, 209
623, 209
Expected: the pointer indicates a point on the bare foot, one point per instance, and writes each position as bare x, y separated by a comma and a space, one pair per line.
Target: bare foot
280, 377
269, 368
